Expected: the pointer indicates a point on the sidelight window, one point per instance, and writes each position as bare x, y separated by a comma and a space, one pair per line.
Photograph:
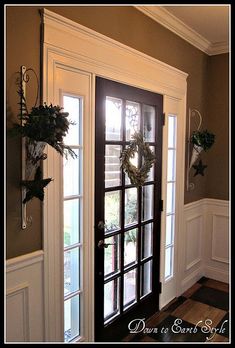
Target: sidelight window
170, 198
73, 208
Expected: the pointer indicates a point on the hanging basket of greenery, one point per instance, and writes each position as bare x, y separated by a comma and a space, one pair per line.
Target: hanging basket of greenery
48, 124
201, 140
45, 124
136, 175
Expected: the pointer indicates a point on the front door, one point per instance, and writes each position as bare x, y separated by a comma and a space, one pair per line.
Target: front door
127, 218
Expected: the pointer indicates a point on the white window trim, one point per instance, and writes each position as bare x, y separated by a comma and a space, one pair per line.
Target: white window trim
69, 43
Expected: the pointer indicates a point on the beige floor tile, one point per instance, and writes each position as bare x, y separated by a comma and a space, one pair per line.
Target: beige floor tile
194, 312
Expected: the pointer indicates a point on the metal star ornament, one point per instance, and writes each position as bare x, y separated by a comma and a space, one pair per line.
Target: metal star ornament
35, 188
200, 168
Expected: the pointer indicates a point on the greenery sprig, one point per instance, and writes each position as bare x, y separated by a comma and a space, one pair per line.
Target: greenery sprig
136, 175
203, 139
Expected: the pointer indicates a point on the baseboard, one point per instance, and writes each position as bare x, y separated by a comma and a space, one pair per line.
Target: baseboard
191, 279
216, 274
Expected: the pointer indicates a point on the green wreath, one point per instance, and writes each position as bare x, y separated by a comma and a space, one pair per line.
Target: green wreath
136, 175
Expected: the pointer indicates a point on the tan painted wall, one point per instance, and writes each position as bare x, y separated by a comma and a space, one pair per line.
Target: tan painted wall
217, 120
124, 24
22, 48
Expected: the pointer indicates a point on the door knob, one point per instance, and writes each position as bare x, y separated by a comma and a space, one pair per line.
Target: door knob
101, 244
101, 225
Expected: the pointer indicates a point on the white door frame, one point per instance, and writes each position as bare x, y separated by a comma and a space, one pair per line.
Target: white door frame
73, 45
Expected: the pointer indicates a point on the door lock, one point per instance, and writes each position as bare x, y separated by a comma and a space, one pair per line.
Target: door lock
101, 225
101, 244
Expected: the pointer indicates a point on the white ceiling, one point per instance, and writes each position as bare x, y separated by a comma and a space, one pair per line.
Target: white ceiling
212, 22
204, 26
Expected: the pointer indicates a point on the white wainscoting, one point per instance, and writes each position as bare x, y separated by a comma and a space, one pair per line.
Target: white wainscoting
24, 298
204, 251
217, 244
205, 242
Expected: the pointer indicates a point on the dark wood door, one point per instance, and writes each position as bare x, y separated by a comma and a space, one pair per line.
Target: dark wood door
127, 218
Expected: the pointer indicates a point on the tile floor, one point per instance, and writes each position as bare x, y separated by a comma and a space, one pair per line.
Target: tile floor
201, 314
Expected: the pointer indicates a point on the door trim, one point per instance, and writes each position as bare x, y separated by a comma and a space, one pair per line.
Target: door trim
73, 45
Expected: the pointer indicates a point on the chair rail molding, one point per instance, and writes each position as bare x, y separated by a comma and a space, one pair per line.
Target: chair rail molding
23, 261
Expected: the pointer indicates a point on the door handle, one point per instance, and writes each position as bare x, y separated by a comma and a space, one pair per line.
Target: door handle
101, 244
101, 225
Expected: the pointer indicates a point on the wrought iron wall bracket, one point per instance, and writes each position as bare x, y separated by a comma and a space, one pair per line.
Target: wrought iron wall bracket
194, 112
24, 79
23, 151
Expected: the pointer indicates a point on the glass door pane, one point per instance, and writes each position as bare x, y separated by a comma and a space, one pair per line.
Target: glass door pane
132, 118
131, 206
112, 255
149, 123
113, 119
112, 165
147, 202
111, 299
129, 288
130, 247
112, 203
146, 278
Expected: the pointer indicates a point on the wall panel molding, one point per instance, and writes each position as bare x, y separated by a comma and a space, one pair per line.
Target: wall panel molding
24, 298
18, 303
194, 226
219, 238
205, 242
217, 274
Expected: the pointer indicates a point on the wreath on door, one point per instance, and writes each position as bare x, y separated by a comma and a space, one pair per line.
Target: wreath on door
136, 175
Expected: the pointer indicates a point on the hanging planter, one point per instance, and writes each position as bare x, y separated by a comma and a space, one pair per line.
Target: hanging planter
44, 124
34, 154
202, 141
195, 154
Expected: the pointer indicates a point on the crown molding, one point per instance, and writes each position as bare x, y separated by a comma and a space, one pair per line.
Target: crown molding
169, 21
218, 48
